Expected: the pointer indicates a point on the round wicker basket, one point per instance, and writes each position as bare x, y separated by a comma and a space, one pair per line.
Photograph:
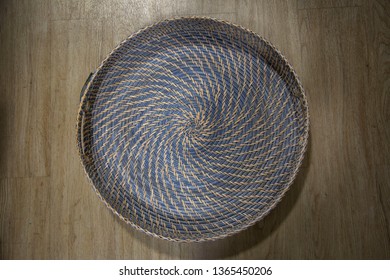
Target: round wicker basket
192, 129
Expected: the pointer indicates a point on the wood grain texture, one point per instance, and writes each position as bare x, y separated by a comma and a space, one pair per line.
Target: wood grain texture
320, 4
25, 90
339, 205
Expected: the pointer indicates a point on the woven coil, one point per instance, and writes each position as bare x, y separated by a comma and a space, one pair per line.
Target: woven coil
192, 129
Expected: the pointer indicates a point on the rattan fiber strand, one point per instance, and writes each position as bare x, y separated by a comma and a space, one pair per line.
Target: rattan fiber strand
192, 129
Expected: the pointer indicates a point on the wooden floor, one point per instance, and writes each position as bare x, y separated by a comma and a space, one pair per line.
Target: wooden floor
339, 206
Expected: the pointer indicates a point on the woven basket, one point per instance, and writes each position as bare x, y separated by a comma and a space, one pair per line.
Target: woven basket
192, 129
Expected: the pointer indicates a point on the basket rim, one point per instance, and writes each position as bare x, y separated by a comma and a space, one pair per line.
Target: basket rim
275, 201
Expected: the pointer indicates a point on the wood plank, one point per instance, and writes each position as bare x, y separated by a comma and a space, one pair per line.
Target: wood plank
318, 4
74, 10
25, 89
377, 24
24, 226
65, 10
76, 220
334, 57
264, 18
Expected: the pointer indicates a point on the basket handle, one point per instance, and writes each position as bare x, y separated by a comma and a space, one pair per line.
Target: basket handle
82, 93
83, 90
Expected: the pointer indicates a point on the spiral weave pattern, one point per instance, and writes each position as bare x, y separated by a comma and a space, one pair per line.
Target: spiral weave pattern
192, 129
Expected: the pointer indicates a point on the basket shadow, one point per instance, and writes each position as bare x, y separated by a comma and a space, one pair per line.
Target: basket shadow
236, 245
